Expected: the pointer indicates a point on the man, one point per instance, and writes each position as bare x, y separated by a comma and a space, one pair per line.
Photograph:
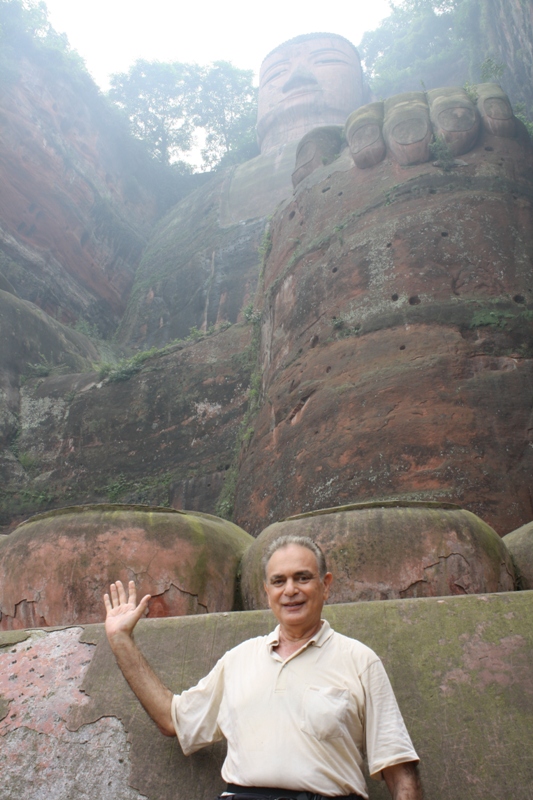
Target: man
298, 707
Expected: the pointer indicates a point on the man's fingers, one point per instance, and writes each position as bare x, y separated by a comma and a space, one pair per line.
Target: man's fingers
143, 605
107, 603
133, 593
121, 593
114, 596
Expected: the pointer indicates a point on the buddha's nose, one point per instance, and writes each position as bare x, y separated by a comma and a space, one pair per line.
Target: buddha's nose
300, 77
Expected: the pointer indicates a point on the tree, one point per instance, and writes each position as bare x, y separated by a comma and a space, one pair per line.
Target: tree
227, 110
418, 44
159, 100
168, 103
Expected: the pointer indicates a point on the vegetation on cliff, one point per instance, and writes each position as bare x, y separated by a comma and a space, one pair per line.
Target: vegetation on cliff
169, 104
431, 43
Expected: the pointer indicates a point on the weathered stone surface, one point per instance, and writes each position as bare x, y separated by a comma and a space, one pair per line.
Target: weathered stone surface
364, 133
397, 341
520, 545
56, 567
194, 272
454, 118
392, 552
40, 682
462, 669
320, 146
83, 440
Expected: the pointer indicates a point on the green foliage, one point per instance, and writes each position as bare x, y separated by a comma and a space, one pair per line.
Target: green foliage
520, 113
492, 70
24, 27
252, 315
27, 461
167, 104
472, 92
117, 488
148, 491
158, 101
442, 154
40, 369
420, 41
226, 109
87, 328
127, 367
499, 318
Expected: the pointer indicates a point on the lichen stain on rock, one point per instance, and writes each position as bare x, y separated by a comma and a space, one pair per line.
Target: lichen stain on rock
487, 663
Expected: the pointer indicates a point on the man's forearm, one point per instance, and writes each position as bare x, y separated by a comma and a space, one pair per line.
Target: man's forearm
403, 781
153, 695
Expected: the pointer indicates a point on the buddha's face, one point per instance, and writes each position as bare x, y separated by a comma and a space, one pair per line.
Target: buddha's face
305, 84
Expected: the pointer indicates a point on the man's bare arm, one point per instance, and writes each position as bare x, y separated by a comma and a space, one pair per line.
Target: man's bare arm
403, 781
122, 615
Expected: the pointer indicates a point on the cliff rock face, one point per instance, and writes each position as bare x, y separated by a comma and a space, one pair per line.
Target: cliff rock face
509, 31
73, 212
397, 341
168, 431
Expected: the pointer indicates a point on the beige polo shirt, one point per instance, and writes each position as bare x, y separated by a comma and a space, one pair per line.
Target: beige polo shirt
305, 723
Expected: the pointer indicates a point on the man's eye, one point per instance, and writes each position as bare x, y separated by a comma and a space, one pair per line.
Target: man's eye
277, 582
305, 579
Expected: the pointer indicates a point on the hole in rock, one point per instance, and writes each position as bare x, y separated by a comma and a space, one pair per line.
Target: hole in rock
433, 191
444, 233
328, 369
389, 244
394, 297
291, 215
326, 189
489, 149
339, 194
402, 347
519, 298
334, 269
414, 300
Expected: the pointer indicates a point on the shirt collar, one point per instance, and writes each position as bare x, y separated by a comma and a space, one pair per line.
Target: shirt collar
320, 637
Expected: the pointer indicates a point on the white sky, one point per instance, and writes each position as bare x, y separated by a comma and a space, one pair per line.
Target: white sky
111, 34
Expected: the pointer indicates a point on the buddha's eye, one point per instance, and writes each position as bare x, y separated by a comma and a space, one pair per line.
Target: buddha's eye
278, 73
320, 61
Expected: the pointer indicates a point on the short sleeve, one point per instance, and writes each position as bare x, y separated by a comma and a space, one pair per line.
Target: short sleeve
387, 740
195, 711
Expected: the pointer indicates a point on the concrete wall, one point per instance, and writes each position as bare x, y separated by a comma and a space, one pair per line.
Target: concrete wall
462, 668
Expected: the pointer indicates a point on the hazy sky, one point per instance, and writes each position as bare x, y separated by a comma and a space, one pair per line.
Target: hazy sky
111, 34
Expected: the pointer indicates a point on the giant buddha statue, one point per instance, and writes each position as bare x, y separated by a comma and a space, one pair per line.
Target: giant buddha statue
201, 264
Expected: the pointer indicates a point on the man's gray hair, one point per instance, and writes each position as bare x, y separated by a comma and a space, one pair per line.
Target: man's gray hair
302, 541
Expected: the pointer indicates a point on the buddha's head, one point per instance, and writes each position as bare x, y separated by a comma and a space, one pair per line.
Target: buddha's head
309, 81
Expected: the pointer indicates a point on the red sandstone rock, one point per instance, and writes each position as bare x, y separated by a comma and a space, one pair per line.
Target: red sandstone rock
56, 567
391, 552
397, 341
520, 545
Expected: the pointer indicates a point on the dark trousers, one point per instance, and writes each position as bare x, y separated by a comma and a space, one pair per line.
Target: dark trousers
269, 793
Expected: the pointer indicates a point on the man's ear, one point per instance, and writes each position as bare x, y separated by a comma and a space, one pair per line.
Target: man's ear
328, 577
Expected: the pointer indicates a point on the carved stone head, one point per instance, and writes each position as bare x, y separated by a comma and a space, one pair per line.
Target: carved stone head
309, 81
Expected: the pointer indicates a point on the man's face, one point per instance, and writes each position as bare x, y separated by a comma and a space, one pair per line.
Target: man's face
294, 589
307, 84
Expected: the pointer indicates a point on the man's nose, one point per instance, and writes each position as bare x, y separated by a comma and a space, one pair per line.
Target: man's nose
290, 587
300, 77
